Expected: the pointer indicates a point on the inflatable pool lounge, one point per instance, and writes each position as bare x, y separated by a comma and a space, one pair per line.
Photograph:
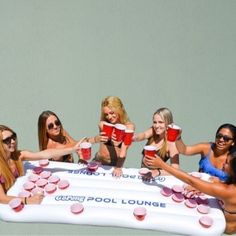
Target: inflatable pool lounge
75, 194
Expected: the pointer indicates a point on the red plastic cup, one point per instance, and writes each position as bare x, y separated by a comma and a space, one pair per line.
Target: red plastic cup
149, 150
206, 221
24, 193
41, 183
143, 171
173, 132
50, 188
93, 166
37, 190
108, 129
63, 184
16, 204
54, 179
77, 208
140, 213
86, 150
129, 133
33, 178
29, 186
120, 132
37, 170
44, 162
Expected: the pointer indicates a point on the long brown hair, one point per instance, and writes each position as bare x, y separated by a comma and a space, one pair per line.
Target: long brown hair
5, 171
42, 129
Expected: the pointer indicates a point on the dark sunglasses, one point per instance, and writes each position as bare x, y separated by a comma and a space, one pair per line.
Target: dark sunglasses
7, 141
51, 125
225, 137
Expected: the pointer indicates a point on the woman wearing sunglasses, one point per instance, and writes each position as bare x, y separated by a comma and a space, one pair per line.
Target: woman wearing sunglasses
11, 166
224, 191
52, 135
213, 154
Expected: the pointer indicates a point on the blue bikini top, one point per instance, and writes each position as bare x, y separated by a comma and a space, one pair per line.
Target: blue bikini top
206, 167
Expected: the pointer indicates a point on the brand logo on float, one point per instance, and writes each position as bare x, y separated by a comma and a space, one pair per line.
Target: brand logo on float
109, 200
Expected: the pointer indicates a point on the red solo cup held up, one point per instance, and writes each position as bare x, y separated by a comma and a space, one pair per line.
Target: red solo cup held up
149, 150
129, 133
120, 132
86, 150
173, 132
108, 129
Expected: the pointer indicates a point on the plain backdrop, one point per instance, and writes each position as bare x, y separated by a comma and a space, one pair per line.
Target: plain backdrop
67, 55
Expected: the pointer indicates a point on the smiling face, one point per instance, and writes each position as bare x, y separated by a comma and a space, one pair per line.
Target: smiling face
158, 125
110, 115
224, 139
9, 141
53, 126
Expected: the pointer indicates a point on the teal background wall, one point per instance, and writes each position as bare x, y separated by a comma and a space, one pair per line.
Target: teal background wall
67, 55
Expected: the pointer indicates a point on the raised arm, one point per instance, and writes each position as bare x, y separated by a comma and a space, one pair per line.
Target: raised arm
144, 135
200, 148
49, 153
219, 190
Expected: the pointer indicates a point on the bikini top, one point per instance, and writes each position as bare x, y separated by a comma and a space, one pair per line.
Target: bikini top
2, 179
206, 166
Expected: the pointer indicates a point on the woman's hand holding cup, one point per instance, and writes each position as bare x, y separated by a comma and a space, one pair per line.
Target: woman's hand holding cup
103, 138
152, 161
173, 132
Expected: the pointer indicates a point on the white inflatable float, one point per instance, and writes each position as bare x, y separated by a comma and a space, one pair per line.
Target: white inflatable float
97, 198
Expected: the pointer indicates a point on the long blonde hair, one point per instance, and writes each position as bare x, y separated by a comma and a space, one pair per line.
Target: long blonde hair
5, 171
116, 105
166, 115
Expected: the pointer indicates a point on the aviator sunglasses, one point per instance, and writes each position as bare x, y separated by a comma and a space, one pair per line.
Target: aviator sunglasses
225, 137
7, 141
56, 123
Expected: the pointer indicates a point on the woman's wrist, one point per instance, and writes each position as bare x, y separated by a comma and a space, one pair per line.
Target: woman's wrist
120, 162
159, 171
178, 138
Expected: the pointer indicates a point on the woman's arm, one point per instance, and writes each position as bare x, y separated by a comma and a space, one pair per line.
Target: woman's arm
200, 148
174, 154
5, 199
219, 190
100, 137
122, 153
124, 148
144, 135
49, 153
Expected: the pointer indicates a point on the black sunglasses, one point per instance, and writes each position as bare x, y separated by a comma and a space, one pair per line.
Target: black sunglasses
7, 141
225, 137
56, 123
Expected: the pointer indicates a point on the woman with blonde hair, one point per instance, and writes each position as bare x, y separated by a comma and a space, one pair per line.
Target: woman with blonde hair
11, 166
112, 152
51, 134
156, 136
